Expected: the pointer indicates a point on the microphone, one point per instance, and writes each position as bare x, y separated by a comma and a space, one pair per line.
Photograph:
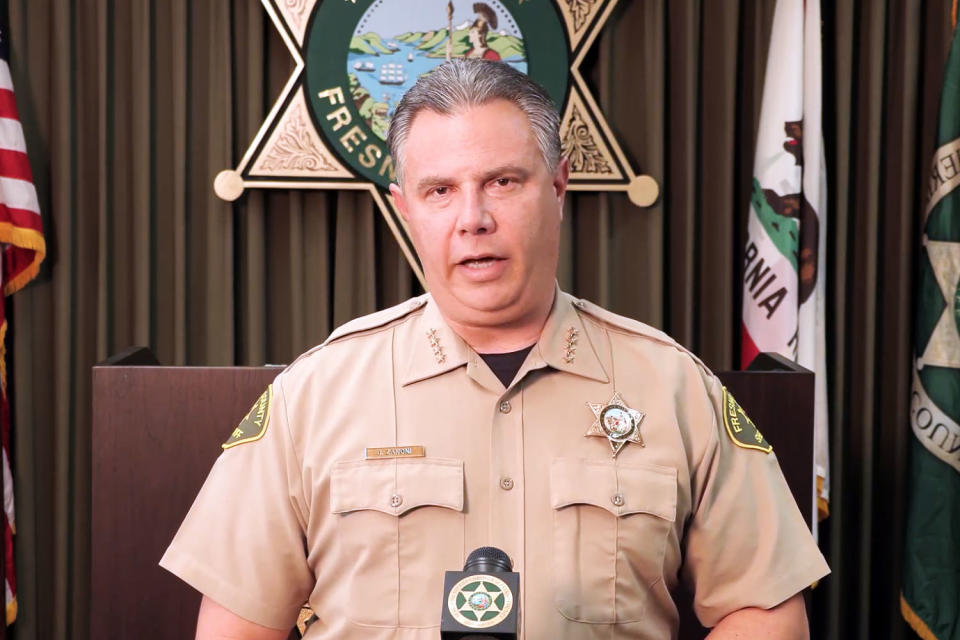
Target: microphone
483, 600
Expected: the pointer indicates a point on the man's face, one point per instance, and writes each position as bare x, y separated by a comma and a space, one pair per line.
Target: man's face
484, 212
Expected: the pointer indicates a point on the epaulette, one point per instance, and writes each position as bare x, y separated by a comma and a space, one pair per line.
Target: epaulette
377, 318
622, 322
633, 326
370, 321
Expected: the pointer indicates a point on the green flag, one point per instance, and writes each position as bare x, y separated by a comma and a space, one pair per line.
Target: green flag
930, 599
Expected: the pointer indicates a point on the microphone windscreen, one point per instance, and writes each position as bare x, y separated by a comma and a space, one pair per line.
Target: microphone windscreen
488, 560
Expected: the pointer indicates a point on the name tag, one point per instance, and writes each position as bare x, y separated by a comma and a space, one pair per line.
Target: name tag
373, 453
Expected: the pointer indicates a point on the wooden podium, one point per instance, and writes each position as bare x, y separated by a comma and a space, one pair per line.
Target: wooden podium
157, 430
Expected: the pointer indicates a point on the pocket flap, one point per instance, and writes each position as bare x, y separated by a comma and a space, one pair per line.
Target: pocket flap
396, 486
620, 489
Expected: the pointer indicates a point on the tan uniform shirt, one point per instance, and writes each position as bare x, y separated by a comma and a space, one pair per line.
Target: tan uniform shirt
297, 514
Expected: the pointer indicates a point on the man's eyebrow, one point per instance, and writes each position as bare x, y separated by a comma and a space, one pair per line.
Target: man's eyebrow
508, 169
432, 181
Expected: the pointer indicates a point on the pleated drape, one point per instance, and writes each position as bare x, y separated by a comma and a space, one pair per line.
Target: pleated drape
132, 106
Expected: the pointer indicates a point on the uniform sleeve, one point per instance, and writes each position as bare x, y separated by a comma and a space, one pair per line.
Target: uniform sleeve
242, 543
747, 545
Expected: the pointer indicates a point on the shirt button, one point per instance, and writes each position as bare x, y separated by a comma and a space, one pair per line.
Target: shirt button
617, 499
395, 500
505, 406
506, 484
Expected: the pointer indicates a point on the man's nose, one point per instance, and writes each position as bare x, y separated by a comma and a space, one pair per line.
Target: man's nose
475, 217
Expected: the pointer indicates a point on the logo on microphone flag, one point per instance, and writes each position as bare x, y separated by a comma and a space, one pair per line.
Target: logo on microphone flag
480, 601
784, 293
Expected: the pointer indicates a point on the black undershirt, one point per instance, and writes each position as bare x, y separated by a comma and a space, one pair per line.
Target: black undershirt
506, 365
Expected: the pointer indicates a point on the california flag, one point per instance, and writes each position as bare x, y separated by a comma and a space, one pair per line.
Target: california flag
783, 282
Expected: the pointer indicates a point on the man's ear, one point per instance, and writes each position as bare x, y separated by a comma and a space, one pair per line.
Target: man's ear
400, 201
560, 178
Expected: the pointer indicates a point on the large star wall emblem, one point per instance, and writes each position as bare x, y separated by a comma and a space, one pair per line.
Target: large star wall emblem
353, 59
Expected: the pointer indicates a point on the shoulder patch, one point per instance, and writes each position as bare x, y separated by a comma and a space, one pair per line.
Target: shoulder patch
740, 428
254, 424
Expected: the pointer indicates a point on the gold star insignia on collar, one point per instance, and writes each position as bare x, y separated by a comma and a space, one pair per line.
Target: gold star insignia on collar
616, 422
570, 345
438, 353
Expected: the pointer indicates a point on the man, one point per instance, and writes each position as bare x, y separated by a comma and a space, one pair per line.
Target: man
499, 411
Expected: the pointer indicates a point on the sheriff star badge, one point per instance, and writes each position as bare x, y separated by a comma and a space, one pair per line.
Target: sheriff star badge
616, 422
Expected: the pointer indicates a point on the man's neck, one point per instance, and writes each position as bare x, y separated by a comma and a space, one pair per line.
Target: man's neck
502, 338
498, 339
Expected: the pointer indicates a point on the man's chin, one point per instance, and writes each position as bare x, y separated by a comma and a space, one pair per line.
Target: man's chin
487, 306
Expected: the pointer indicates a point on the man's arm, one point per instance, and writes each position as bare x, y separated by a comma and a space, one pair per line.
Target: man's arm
786, 621
218, 623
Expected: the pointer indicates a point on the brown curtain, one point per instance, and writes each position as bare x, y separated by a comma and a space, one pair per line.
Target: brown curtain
132, 106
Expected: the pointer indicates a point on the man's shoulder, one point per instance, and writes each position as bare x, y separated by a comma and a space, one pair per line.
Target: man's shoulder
370, 325
624, 325
376, 321
643, 333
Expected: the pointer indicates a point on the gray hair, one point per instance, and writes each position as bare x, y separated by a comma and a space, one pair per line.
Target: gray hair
467, 82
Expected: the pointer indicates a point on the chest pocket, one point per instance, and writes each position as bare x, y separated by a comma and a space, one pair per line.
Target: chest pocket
400, 526
610, 530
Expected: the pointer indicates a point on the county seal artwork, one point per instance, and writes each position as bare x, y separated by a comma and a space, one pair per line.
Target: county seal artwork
354, 60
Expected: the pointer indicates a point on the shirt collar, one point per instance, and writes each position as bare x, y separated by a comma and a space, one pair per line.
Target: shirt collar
564, 343
434, 348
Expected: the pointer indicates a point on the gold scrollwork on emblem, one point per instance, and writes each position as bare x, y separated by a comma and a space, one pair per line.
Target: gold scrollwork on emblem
580, 148
295, 149
297, 13
581, 10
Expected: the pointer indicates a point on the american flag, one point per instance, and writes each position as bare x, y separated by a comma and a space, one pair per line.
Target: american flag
22, 249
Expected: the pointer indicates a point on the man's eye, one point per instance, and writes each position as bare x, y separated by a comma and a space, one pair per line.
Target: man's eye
439, 191
503, 182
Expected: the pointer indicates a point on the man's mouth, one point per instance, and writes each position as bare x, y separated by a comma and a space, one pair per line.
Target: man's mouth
479, 263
